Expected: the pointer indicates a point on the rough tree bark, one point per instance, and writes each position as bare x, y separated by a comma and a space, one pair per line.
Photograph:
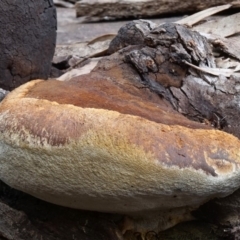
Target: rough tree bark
27, 42
161, 62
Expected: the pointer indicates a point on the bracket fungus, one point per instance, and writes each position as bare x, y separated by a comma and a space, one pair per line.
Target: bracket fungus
105, 142
118, 151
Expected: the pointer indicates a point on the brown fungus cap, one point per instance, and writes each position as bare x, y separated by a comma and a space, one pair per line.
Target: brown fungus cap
92, 144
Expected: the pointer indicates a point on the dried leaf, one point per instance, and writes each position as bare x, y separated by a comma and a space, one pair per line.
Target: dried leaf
95, 10
230, 46
61, 3
226, 63
95, 48
77, 72
102, 38
197, 17
214, 71
223, 27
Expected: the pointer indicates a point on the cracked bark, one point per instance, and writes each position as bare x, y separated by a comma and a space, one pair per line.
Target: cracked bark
160, 61
27, 43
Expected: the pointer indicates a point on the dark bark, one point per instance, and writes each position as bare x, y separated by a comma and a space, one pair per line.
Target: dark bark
23, 217
161, 63
27, 42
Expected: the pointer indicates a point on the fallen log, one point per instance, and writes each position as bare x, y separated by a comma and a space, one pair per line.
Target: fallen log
115, 9
205, 94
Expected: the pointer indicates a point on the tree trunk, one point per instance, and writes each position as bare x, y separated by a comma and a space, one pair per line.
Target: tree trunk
27, 42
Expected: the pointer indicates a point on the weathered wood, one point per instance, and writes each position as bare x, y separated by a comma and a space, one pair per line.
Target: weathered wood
27, 43
197, 95
15, 224
115, 9
23, 217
